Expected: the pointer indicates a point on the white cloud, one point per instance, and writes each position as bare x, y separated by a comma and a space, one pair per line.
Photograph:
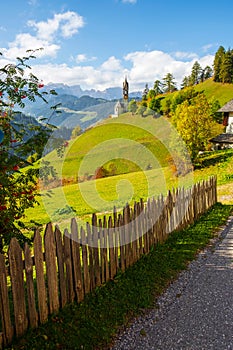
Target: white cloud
129, 1
67, 24
112, 64
206, 60
63, 24
207, 47
150, 66
32, 2
2, 29
81, 58
146, 67
26, 41
185, 55
88, 77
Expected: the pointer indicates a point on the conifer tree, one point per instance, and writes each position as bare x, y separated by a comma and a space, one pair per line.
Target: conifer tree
196, 73
158, 87
226, 71
218, 59
185, 82
169, 83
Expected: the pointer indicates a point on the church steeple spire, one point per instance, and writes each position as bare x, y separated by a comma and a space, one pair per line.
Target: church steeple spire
125, 90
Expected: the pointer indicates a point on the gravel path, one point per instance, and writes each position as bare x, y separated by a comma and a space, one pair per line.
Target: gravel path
196, 311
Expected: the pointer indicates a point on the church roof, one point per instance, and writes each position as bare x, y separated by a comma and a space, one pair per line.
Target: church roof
228, 107
223, 138
120, 104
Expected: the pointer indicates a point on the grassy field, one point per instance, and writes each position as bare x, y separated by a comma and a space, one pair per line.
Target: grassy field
221, 92
122, 145
103, 194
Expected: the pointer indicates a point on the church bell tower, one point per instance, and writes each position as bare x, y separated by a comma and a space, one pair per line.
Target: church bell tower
125, 90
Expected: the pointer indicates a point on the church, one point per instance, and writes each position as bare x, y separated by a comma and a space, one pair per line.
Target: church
122, 105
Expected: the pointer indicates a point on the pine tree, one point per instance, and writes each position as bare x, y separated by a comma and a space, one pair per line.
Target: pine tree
185, 82
158, 87
207, 73
226, 71
218, 59
145, 93
196, 73
169, 83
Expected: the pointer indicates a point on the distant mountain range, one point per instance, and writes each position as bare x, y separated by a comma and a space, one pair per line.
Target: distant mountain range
111, 93
72, 111
76, 106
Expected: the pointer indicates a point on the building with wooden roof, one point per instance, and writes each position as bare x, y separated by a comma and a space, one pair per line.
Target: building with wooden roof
226, 139
227, 110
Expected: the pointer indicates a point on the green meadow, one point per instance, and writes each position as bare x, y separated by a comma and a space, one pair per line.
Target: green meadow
102, 195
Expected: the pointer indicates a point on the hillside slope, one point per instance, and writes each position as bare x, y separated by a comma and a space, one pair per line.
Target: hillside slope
117, 145
219, 91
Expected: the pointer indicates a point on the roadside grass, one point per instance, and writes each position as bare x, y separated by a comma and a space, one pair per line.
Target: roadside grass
93, 323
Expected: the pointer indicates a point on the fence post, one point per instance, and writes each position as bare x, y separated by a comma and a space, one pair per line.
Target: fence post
77, 269
33, 315
4, 305
96, 250
111, 248
68, 265
51, 269
17, 284
41, 290
61, 270
86, 275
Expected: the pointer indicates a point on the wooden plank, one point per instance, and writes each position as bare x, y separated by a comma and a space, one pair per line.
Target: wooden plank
111, 249
76, 261
96, 250
32, 312
134, 234
61, 269
137, 213
154, 218
86, 275
105, 251
51, 269
117, 245
122, 243
17, 285
68, 266
40, 281
126, 218
102, 262
116, 239
91, 256
7, 328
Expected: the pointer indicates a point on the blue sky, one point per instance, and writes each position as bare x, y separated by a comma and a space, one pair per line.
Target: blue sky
95, 43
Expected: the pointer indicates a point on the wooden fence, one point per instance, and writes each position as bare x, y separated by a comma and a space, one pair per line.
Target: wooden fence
65, 267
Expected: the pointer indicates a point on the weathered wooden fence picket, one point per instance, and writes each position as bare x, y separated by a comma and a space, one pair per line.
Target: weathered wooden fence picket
65, 267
